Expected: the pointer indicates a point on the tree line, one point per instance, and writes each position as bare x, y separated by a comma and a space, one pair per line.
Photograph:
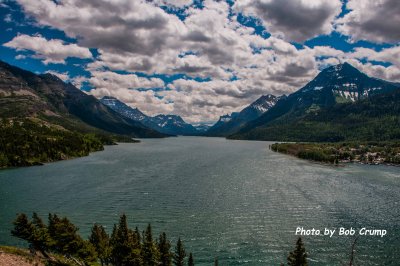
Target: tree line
25, 143
123, 247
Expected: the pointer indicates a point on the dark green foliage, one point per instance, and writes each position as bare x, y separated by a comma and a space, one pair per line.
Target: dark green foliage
121, 243
25, 143
149, 249
216, 261
310, 115
164, 247
125, 247
101, 242
60, 236
298, 257
190, 260
365, 152
180, 254
41, 237
23, 228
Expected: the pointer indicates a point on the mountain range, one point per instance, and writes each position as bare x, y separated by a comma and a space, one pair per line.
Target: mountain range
167, 124
49, 101
231, 123
341, 103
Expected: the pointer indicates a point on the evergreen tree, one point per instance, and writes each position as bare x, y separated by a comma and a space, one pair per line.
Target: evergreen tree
23, 228
149, 249
66, 239
41, 238
121, 249
190, 261
164, 247
126, 249
180, 254
101, 242
86, 251
216, 261
298, 257
136, 255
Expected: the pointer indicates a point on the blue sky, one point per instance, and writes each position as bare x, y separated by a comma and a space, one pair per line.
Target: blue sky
198, 59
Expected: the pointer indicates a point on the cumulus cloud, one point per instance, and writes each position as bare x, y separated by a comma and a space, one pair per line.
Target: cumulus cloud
147, 101
140, 39
371, 20
64, 76
174, 3
108, 79
390, 55
49, 51
295, 20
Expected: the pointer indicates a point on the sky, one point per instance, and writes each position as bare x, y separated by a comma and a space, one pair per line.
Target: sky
198, 59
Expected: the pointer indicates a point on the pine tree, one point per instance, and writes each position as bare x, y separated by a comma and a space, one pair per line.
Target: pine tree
190, 261
23, 228
298, 257
121, 249
180, 254
136, 256
164, 247
149, 249
41, 238
101, 242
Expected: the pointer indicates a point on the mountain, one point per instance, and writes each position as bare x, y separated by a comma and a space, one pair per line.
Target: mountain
49, 100
174, 124
230, 124
202, 128
123, 109
339, 104
167, 124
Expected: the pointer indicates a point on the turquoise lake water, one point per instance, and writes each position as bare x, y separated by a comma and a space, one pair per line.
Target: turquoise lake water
235, 200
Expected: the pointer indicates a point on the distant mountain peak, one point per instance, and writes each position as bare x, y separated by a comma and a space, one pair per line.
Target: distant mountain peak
108, 98
166, 123
344, 69
263, 103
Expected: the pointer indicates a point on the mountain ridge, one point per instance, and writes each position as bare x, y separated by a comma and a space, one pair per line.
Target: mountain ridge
335, 87
167, 124
46, 97
229, 124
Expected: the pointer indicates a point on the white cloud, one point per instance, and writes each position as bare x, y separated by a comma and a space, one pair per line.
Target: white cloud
294, 20
49, 51
111, 80
174, 3
371, 20
8, 18
390, 55
64, 76
146, 101
139, 36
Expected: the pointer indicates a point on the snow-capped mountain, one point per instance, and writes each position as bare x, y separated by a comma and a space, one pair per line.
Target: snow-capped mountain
345, 83
228, 124
123, 109
329, 91
167, 124
202, 128
173, 124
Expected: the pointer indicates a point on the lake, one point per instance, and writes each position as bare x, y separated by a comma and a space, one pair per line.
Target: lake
235, 200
